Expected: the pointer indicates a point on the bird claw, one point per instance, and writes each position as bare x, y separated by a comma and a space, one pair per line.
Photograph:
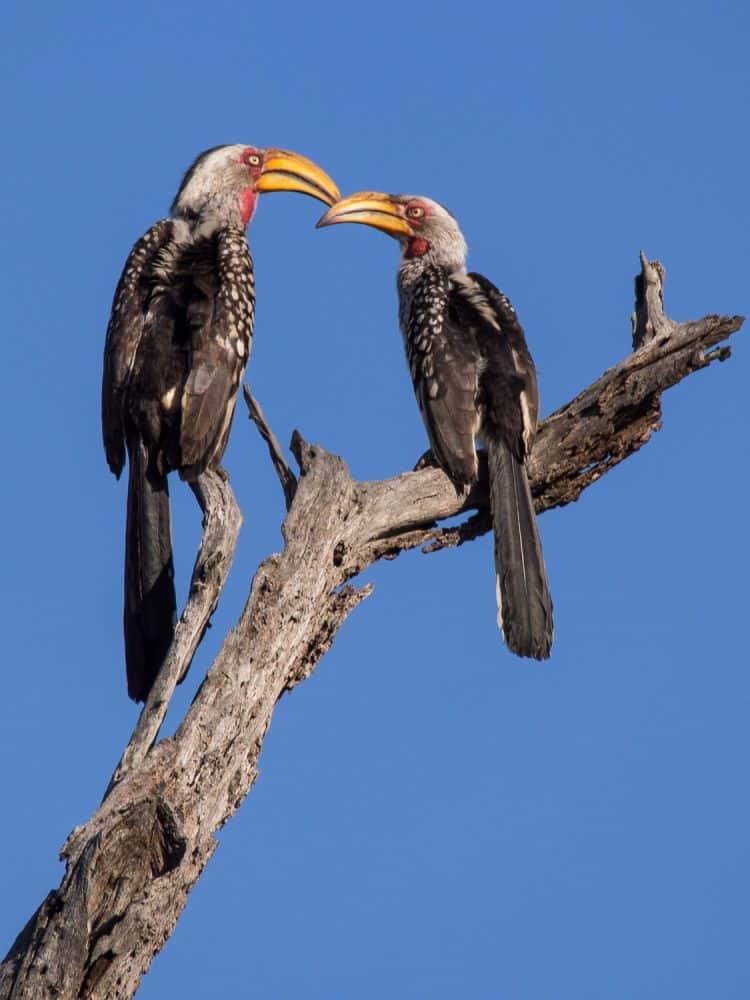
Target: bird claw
222, 473
426, 461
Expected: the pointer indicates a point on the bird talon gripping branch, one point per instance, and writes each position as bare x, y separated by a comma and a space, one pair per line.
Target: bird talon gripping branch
426, 460
473, 377
177, 345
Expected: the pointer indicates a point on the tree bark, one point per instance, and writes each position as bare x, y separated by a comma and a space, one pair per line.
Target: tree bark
130, 868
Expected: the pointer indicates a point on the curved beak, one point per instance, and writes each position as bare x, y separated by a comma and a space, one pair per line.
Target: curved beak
286, 171
371, 208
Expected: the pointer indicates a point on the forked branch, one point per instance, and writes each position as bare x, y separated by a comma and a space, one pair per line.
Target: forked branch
130, 868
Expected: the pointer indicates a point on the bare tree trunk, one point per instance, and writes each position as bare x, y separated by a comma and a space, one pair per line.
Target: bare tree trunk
130, 868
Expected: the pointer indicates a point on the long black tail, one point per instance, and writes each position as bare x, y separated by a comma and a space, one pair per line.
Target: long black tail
150, 602
524, 604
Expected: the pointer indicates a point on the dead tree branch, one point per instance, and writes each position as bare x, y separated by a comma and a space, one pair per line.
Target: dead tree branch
130, 868
286, 477
222, 520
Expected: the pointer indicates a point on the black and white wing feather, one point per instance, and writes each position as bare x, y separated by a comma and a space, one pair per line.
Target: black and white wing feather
123, 338
511, 398
219, 317
445, 364
509, 402
176, 348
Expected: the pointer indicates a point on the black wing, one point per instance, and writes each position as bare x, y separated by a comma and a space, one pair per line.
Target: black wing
219, 316
124, 334
444, 362
509, 391
509, 402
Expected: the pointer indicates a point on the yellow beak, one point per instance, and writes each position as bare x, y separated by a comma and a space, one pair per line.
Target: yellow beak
371, 208
285, 171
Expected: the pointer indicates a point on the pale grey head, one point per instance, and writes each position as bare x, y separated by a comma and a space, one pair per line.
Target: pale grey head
223, 183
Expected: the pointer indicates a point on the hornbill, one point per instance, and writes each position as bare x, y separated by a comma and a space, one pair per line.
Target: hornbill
176, 348
473, 377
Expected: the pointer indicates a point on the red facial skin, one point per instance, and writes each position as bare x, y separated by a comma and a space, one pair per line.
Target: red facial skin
248, 201
248, 197
417, 245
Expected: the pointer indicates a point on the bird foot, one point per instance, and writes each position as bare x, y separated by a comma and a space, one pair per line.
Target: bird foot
426, 461
222, 473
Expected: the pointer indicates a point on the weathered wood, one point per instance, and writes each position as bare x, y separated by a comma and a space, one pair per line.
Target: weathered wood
222, 521
575, 446
649, 319
130, 868
286, 477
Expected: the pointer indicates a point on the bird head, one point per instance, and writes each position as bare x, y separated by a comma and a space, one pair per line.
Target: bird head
423, 227
228, 179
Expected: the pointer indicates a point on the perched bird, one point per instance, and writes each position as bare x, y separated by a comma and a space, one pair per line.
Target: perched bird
474, 378
176, 348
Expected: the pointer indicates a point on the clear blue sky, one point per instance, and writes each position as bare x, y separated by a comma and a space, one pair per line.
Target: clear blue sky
434, 818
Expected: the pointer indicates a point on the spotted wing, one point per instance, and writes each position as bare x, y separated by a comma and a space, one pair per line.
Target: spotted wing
444, 363
124, 333
219, 317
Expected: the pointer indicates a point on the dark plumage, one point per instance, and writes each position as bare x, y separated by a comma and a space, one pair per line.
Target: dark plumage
176, 349
473, 377
177, 344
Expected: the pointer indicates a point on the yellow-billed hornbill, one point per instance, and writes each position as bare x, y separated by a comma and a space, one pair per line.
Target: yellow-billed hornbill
177, 344
474, 378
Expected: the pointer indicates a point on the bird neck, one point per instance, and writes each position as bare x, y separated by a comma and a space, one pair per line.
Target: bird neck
441, 248
214, 213
411, 269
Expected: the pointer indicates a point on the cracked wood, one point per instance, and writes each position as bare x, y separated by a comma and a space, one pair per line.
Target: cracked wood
130, 868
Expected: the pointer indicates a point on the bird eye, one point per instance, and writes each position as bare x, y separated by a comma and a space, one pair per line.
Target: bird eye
415, 212
253, 160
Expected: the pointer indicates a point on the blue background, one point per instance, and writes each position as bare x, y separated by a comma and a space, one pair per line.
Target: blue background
434, 818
